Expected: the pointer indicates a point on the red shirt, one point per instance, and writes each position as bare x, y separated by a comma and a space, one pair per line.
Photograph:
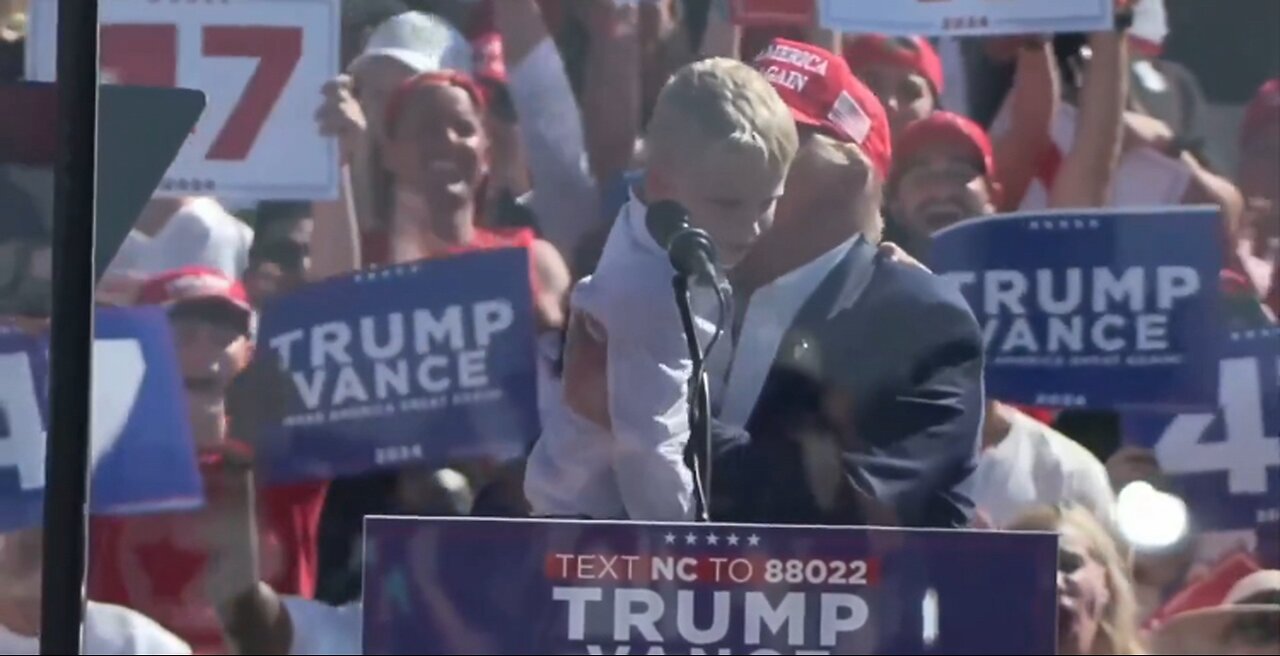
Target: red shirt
155, 563
375, 247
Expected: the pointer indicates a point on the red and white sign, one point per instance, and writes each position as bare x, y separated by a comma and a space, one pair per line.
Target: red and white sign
261, 64
753, 13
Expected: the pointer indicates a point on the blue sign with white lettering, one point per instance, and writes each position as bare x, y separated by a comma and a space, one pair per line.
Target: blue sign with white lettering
142, 455
480, 586
1093, 308
418, 364
1226, 464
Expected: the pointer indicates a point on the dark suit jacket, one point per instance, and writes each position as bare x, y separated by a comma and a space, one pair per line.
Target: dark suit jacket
893, 377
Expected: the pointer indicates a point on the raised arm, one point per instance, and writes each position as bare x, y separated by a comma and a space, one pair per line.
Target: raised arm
1089, 168
611, 88
335, 243
1033, 103
565, 198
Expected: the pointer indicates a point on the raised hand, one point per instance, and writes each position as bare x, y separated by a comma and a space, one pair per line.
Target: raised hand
340, 116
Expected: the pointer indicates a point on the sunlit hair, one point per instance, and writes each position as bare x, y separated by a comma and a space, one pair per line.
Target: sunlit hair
720, 107
858, 171
1118, 630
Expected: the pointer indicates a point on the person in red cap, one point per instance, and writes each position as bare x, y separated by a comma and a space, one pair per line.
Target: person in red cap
904, 72
160, 564
944, 173
821, 310
1259, 178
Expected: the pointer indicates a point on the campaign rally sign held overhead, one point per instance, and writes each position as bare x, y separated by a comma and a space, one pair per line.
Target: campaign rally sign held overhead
480, 586
142, 455
1226, 464
408, 365
967, 17
1097, 309
260, 63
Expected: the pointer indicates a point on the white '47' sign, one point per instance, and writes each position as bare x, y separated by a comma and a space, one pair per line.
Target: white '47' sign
1227, 464
260, 63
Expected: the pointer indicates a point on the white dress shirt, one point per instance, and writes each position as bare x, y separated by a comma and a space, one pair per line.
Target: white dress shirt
1035, 465
319, 628
108, 629
770, 312
636, 469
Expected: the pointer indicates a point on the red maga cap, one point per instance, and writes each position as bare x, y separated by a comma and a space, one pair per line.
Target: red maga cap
823, 93
1263, 109
946, 128
194, 284
913, 53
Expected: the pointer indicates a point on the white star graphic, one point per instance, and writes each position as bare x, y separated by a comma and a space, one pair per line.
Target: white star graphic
388, 273
1065, 224
713, 540
1094, 223
1079, 224
1235, 336
753, 541
1034, 225
733, 540
691, 539
1048, 224
670, 538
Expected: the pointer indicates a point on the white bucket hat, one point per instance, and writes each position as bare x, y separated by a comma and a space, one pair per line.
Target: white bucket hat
424, 42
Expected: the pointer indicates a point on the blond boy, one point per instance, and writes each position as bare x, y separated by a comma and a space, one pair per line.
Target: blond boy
719, 143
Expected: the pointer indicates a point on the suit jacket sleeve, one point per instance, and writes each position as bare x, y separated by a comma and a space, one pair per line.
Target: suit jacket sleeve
919, 438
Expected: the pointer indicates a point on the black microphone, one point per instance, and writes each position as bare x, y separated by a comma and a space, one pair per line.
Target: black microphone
691, 250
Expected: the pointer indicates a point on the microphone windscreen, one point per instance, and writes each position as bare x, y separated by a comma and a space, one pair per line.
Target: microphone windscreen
665, 219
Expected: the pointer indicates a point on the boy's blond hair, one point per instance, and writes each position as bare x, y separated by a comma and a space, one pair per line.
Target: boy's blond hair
720, 106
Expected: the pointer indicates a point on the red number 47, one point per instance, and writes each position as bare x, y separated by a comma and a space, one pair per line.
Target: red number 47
146, 55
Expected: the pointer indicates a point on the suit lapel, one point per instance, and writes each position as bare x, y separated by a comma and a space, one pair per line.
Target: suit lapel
841, 288
801, 348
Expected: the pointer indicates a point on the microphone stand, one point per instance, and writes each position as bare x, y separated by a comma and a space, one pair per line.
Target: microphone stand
698, 452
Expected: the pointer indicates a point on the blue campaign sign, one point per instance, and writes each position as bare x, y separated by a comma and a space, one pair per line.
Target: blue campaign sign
1093, 308
480, 586
1226, 464
142, 454
408, 365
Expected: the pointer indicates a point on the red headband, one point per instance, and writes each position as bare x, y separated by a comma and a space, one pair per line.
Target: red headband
434, 78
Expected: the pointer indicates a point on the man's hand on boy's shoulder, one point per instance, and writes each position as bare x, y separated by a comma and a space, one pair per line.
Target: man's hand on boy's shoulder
586, 370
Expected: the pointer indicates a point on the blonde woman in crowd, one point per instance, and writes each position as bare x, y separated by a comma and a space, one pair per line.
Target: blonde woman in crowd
1097, 610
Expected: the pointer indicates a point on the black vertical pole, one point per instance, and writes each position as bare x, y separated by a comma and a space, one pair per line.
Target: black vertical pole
71, 341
